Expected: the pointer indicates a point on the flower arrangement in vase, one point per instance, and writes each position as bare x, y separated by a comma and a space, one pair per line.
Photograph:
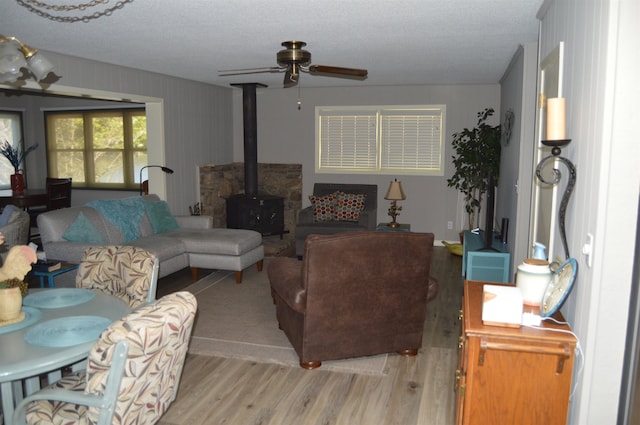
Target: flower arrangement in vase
15, 158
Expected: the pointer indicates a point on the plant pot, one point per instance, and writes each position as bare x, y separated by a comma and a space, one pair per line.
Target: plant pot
17, 183
10, 304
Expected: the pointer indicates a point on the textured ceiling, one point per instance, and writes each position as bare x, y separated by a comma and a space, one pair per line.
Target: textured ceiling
400, 42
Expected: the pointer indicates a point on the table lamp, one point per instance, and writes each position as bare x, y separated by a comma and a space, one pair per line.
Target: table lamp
394, 194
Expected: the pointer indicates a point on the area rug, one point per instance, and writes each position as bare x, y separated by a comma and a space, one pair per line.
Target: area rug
239, 321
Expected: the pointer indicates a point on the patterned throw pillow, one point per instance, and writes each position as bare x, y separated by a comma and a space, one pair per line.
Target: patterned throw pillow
349, 206
323, 207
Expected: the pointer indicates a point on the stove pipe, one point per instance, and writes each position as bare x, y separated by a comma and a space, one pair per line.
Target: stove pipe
250, 129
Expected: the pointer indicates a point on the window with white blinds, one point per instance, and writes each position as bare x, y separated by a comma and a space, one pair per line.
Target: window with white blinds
380, 139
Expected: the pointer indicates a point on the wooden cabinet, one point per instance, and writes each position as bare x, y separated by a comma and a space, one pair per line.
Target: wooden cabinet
511, 376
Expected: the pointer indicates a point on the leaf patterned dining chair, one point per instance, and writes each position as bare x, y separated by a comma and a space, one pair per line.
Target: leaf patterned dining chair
132, 373
128, 272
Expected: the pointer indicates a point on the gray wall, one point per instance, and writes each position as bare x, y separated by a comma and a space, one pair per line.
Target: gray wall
287, 135
518, 93
195, 123
32, 106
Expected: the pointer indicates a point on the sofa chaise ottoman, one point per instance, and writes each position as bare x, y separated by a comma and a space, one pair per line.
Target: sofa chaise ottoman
145, 222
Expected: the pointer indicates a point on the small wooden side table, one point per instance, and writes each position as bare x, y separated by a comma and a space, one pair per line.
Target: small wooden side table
64, 268
400, 228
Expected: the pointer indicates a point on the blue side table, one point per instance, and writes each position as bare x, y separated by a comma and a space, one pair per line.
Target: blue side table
489, 265
400, 228
65, 267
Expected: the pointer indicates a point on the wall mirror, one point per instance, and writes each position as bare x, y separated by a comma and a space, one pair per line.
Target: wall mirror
545, 197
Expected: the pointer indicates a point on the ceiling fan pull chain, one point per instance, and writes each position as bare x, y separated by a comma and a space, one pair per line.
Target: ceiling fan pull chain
299, 98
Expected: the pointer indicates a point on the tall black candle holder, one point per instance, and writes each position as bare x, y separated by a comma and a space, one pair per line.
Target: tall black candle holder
557, 176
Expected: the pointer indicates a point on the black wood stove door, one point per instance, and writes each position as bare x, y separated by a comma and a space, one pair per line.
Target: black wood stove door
262, 213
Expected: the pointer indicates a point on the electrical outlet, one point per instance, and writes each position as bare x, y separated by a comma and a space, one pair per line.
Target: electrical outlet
450, 225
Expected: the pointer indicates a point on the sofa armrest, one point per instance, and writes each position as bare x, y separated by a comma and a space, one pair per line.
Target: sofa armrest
195, 221
285, 277
305, 216
66, 251
368, 219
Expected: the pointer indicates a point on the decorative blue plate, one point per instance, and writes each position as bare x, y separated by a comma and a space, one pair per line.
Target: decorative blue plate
31, 316
58, 298
67, 331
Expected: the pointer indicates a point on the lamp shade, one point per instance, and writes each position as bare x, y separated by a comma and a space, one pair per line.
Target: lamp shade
16, 57
395, 192
11, 61
39, 66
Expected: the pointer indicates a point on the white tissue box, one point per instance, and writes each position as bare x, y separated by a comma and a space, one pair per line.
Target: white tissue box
502, 306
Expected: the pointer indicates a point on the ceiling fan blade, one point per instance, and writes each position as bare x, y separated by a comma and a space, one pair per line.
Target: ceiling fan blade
250, 71
337, 71
290, 78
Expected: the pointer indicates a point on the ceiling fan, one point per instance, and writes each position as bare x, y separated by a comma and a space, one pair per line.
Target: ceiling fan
294, 59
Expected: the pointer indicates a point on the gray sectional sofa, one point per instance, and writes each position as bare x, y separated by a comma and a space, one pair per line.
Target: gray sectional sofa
178, 242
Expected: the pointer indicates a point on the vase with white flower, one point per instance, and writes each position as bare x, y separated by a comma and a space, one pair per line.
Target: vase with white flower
15, 155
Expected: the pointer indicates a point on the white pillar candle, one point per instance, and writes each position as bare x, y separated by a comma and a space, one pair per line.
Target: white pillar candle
556, 107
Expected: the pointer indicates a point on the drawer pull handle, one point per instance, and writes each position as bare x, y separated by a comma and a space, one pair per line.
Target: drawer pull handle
563, 351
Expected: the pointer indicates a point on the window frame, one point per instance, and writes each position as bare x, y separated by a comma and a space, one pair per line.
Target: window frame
20, 127
371, 154
130, 168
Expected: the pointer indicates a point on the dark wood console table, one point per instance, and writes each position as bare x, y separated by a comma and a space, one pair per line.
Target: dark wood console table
30, 198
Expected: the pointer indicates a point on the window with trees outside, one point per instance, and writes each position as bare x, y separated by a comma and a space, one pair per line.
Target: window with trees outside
10, 131
102, 149
380, 139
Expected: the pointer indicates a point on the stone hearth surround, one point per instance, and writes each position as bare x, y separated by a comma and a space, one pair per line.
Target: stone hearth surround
217, 182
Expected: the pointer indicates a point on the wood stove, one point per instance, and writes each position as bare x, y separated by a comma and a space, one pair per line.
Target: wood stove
264, 214
251, 210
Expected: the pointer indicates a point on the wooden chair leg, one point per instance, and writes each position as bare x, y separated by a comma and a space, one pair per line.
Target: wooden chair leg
260, 264
310, 365
239, 276
195, 273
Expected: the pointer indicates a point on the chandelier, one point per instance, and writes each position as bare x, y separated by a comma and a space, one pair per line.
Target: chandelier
72, 12
16, 57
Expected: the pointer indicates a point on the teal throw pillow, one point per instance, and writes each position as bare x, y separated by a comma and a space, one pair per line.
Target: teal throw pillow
124, 213
160, 217
82, 230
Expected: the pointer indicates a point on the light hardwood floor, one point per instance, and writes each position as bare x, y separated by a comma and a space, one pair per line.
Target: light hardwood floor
416, 390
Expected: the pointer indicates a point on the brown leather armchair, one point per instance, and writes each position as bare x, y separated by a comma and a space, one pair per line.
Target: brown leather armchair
354, 294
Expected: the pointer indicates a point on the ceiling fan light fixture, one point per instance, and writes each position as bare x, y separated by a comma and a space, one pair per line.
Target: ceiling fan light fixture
293, 54
294, 59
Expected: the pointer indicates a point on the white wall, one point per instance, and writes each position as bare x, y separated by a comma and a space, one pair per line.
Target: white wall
287, 135
601, 86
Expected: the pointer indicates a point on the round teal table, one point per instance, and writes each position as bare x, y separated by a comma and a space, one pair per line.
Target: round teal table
20, 360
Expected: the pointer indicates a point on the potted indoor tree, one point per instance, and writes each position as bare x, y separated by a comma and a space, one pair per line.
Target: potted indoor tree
15, 158
477, 154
